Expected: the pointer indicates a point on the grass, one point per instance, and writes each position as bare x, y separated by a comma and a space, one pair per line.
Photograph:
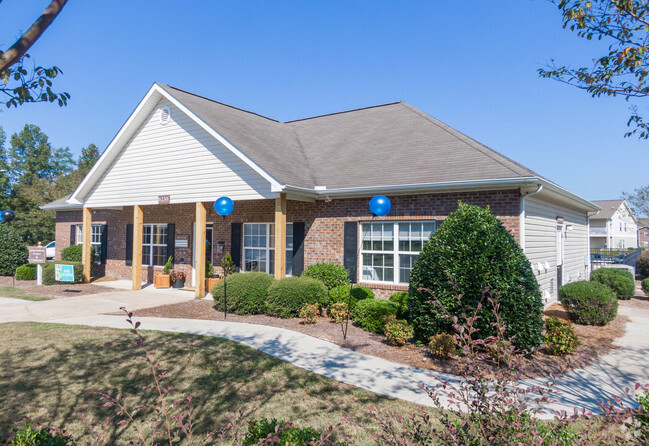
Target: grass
19, 293
44, 369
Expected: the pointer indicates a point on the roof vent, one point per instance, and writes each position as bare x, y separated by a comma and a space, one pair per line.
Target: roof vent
165, 115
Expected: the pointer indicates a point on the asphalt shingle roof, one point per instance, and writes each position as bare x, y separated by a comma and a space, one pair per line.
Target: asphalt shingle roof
608, 208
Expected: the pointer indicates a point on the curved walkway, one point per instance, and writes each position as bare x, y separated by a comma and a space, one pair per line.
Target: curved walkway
608, 377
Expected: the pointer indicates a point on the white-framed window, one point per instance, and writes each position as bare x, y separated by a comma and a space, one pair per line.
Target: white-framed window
154, 244
645, 243
389, 249
646, 233
259, 247
95, 239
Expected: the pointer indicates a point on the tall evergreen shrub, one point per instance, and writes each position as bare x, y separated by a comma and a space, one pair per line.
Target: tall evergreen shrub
13, 251
473, 247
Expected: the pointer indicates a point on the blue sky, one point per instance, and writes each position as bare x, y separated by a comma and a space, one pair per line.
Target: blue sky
473, 65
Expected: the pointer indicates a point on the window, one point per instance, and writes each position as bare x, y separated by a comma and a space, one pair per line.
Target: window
646, 233
154, 245
259, 247
95, 239
645, 243
624, 227
389, 250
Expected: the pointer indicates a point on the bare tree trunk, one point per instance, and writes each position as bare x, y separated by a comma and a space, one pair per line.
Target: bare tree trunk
18, 49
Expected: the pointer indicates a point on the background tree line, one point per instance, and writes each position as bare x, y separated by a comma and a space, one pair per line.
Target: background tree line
33, 173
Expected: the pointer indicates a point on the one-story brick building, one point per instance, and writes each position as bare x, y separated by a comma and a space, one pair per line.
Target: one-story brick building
301, 191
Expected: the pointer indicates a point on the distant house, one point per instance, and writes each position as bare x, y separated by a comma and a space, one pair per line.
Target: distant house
301, 191
614, 226
643, 232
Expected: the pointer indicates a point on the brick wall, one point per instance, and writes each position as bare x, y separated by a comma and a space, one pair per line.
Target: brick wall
324, 224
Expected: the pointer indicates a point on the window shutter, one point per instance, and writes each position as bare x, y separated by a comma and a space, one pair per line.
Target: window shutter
129, 244
103, 255
73, 235
350, 250
171, 242
235, 243
298, 248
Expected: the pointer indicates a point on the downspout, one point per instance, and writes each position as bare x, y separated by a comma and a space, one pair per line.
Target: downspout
521, 217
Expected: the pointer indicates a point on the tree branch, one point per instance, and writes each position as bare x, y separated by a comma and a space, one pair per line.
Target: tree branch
18, 49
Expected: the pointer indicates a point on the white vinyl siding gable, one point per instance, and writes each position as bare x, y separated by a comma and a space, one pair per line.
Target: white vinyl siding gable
179, 159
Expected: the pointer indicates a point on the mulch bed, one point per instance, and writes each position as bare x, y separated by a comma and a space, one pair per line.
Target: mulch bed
56, 291
595, 340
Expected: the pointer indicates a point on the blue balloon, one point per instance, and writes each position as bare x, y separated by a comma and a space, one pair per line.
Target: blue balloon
7, 216
223, 206
380, 205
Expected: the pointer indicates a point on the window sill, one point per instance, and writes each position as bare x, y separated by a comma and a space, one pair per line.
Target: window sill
384, 286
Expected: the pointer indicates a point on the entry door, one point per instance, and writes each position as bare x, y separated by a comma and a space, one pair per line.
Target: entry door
209, 231
559, 248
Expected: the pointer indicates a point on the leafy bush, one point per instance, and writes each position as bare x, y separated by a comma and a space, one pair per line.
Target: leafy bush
642, 265
48, 272
401, 299
13, 251
26, 272
442, 345
645, 285
397, 331
619, 280
74, 253
246, 292
331, 274
338, 312
309, 313
168, 265
369, 313
590, 302
30, 435
473, 248
287, 296
341, 294
560, 337
286, 433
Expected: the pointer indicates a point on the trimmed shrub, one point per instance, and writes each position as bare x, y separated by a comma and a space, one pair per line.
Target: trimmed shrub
361, 293
309, 313
338, 312
341, 294
619, 280
474, 250
287, 296
560, 337
331, 274
442, 345
74, 253
26, 272
591, 303
13, 251
369, 313
246, 292
642, 265
48, 272
645, 285
401, 299
397, 331
169, 264
285, 433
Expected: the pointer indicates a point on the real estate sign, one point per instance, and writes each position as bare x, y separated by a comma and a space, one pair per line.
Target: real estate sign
64, 273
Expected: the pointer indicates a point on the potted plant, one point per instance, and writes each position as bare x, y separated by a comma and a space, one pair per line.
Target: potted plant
210, 278
163, 279
178, 278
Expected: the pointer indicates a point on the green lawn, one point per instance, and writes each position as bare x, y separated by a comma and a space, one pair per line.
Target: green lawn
44, 369
18, 293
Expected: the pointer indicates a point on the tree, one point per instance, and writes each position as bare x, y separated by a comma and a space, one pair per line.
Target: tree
623, 70
21, 83
638, 201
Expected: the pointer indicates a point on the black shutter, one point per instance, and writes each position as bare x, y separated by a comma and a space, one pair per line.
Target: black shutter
171, 242
73, 235
350, 251
129, 244
235, 243
103, 255
298, 248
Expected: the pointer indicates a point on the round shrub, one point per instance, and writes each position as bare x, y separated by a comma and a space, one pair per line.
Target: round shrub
619, 280
401, 299
341, 294
369, 313
473, 247
13, 251
74, 253
286, 433
287, 296
645, 285
590, 302
26, 272
48, 272
397, 331
560, 337
246, 292
442, 345
642, 265
331, 274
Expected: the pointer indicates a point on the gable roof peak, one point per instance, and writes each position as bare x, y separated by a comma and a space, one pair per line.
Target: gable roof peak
347, 111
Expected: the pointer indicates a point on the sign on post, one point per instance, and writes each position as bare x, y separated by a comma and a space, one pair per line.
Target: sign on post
36, 255
64, 273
